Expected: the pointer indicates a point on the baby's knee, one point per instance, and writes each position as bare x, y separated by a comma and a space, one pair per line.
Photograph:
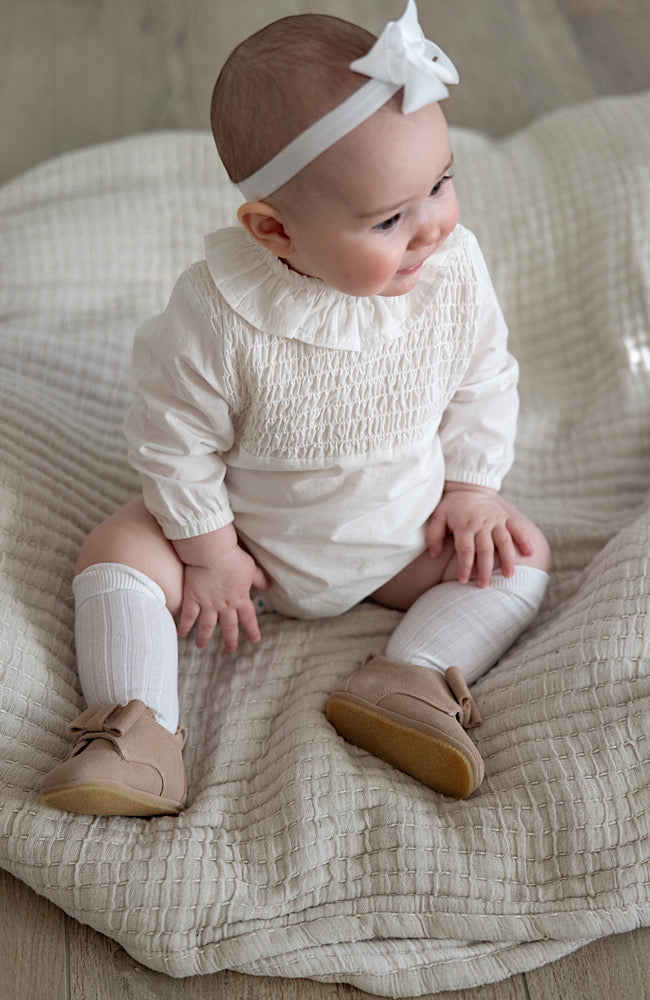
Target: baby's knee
115, 539
132, 537
96, 548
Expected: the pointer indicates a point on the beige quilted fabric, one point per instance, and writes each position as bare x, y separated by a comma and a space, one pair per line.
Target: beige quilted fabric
299, 855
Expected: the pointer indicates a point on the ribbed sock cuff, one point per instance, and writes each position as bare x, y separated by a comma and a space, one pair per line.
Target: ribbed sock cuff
103, 578
525, 579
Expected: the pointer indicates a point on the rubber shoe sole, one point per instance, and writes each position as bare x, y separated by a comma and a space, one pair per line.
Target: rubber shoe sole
108, 799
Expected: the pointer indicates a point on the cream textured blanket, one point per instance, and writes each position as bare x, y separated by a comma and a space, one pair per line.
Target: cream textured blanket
299, 855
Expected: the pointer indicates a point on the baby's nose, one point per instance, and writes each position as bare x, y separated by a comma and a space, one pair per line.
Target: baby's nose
427, 231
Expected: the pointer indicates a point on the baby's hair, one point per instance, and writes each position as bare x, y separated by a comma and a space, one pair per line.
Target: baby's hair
278, 82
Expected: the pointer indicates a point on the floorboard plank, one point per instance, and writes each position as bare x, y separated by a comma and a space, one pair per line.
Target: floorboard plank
121, 67
32, 944
615, 968
517, 59
617, 48
27, 119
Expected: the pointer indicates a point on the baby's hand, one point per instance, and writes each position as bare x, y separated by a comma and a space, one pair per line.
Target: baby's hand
486, 530
221, 593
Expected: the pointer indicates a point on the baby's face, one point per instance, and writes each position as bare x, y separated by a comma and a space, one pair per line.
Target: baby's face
376, 205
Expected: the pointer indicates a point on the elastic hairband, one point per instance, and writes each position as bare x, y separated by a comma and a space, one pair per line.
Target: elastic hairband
401, 57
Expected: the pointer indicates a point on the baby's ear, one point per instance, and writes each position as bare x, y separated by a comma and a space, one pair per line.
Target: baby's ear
265, 225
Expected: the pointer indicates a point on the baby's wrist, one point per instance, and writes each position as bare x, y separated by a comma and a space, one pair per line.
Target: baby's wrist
209, 549
452, 486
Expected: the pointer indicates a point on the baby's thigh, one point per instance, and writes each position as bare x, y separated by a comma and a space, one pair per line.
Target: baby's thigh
419, 576
132, 537
424, 572
541, 555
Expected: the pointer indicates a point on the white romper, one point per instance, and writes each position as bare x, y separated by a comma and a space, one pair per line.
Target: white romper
323, 424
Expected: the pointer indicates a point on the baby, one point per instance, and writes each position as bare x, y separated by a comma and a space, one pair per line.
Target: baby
323, 414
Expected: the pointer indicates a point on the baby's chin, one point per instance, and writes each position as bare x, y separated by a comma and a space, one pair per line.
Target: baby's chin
401, 284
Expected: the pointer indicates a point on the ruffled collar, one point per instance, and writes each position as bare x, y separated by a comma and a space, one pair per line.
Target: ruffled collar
281, 302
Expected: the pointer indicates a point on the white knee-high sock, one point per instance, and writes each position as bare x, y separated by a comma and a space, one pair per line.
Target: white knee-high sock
462, 625
126, 639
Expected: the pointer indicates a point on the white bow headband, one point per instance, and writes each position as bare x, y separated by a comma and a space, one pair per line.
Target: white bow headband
401, 57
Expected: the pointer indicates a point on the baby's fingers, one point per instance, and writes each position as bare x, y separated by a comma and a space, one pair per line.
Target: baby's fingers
506, 550
435, 534
484, 546
261, 580
465, 554
190, 611
229, 624
230, 621
206, 624
249, 622
519, 537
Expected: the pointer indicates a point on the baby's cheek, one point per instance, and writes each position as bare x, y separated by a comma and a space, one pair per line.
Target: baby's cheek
378, 273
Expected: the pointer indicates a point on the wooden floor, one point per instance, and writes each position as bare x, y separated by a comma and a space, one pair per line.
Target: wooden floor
78, 72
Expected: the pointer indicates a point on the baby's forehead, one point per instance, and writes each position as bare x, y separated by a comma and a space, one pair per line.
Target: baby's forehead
387, 155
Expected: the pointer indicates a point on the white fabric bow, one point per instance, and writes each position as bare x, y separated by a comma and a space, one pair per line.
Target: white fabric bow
402, 55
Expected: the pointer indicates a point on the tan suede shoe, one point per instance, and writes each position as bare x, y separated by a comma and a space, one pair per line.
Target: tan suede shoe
413, 718
123, 763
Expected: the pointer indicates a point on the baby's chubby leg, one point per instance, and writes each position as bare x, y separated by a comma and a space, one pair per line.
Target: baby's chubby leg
132, 537
467, 625
128, 589
127, 759
425, 572
411, 706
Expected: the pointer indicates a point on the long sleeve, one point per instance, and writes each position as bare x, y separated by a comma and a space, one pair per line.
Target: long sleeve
479, 425
179, 425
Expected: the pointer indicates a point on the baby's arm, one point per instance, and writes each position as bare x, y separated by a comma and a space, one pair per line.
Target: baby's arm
218, 578
179, 428
484, 527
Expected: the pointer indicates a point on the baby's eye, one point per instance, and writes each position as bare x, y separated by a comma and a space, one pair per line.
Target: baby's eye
387, 224
436, 187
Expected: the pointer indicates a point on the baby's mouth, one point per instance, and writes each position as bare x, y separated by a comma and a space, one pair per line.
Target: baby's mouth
412, 269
